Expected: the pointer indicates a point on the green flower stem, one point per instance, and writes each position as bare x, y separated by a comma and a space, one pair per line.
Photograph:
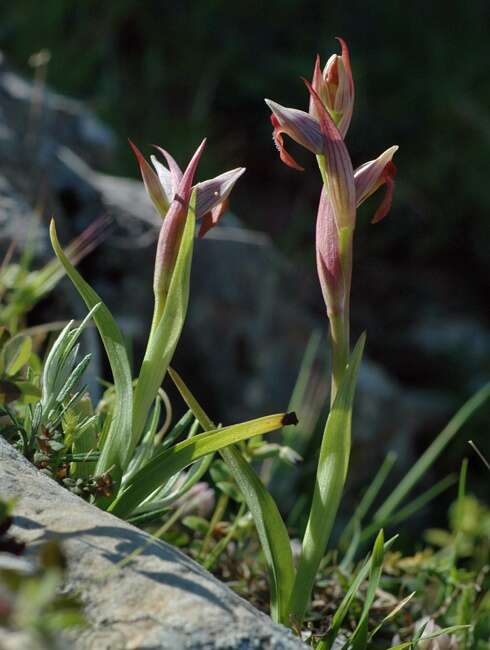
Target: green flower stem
330, 478
218, 513
335, 449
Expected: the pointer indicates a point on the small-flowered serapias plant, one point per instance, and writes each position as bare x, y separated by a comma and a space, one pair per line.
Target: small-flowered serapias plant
321, 130
118, 454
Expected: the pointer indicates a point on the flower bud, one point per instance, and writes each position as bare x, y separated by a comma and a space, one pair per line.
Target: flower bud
172, 229
335, 87
336, 167
164, 184
328, 260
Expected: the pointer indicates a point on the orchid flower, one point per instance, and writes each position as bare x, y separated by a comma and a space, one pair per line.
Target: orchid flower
300, 126
321, 131
372, 175
172, 229
162, 185
170, 191
368, 178
320, 136
335, 87
344, 190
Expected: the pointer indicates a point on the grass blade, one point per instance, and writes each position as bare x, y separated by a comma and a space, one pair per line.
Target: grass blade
422, 637
359, 637
410, 508
271, 530
343, 608
414, 475
196, 409
398, 608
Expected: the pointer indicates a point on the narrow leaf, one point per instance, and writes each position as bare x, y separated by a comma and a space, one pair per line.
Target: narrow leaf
270, 526
367, 500
445, 630
86, 440
347, 600
16, 353
360, 635
271, 530
167, 463
425, 461
120, 440
393, 613
410, 508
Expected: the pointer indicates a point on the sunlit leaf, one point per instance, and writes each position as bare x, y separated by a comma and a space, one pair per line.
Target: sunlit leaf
360, 635
167, 463
120, 440
425, 461
343, 609
271, 530
16, 353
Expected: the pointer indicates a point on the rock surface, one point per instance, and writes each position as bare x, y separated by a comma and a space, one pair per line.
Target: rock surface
161, 599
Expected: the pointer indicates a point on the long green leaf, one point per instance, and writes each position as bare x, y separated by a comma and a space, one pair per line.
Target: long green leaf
410, 508
166, 333
16, 353
271, 530
167, 463
396, 610
330, 479
343, 609
86, 442
359, 637
413, 644
120, 440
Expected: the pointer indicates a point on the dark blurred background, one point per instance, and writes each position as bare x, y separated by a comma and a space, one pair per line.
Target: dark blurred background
170, 73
